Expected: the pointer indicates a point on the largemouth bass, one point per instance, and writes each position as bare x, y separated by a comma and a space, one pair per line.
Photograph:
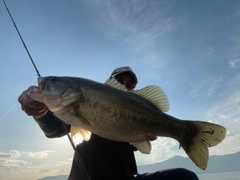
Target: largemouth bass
110, 112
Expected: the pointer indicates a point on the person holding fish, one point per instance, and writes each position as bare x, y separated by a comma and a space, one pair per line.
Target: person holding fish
103, 159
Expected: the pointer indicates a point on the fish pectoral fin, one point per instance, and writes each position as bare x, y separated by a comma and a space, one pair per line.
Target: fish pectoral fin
143, 146
208, 135
79, 134
115, 84
155, 95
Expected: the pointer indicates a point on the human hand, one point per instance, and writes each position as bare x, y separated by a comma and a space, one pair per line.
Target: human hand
32, 107
151, 136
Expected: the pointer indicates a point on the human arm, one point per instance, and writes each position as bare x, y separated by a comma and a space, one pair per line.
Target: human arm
50, 125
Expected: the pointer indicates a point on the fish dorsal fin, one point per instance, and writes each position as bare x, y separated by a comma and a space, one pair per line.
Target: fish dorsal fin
155, 95
143, 146
79, 134
115, 84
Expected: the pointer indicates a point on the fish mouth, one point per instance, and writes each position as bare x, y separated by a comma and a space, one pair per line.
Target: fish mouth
43, 85
40, 79
54, 96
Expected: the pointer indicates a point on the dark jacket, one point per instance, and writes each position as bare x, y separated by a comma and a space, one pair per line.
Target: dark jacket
104, 159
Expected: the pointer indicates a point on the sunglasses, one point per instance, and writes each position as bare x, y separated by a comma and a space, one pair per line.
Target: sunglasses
128, 84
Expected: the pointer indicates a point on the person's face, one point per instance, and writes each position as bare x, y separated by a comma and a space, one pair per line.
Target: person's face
126, 80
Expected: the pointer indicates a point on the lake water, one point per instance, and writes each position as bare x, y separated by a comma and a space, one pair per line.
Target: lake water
235, 175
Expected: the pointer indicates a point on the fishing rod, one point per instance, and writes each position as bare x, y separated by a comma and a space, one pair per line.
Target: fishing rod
24, 45
77, 155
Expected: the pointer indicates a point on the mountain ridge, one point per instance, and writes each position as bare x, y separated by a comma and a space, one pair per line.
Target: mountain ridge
216, 164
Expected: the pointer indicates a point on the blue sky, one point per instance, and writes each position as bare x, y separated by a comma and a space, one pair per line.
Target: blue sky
189, 48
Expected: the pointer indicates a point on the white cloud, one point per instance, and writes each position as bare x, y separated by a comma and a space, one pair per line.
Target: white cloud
143, 19
226, 111
18, 163
12, 154
140, 25
4, 155
234, 63
231, 144
40, 154
9, 161
203, 54
206, 87
162, 149
165, 148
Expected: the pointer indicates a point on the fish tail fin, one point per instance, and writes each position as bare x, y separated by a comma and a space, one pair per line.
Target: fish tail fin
206, 135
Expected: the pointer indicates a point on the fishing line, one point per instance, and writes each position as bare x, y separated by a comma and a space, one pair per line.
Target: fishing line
77, 156
7, 113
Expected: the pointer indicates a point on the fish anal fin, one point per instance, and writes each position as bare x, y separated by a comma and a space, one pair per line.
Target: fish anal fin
208, 135
143, 146
155, 95
115, 84
79, 134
